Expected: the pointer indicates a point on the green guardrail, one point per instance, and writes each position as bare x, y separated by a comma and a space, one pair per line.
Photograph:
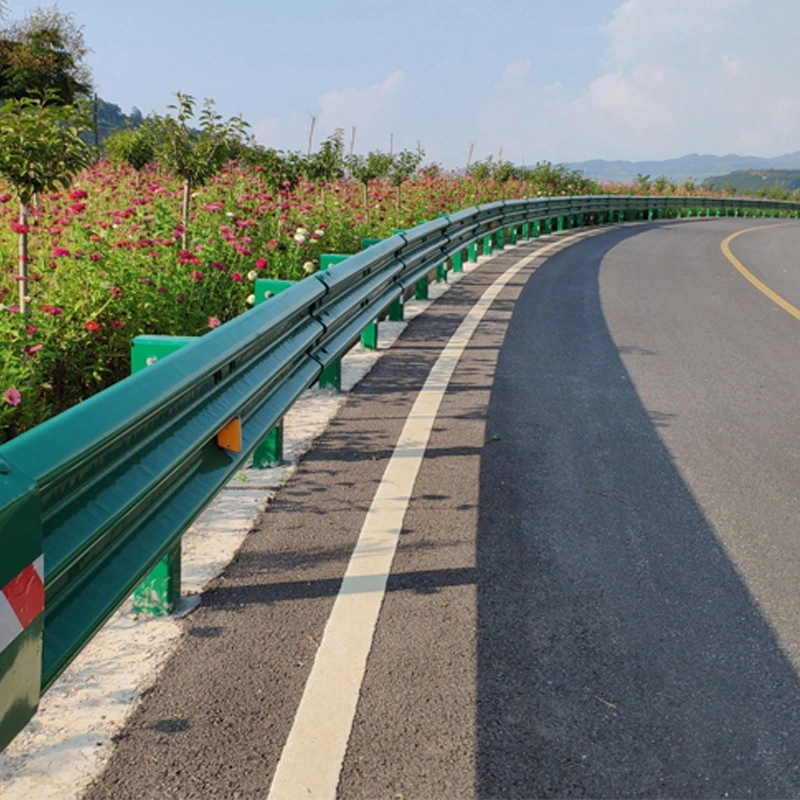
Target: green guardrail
93, 499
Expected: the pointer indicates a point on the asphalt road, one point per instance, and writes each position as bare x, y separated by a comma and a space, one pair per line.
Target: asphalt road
595, 591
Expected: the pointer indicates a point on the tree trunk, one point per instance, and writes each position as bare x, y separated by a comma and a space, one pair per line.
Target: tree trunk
23, 260
187, 196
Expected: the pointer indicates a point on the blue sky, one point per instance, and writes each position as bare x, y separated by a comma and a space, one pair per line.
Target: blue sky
557, 80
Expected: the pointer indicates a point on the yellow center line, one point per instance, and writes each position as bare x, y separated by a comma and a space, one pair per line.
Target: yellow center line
762, 287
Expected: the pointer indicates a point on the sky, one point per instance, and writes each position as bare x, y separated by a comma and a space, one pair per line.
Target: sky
521, 80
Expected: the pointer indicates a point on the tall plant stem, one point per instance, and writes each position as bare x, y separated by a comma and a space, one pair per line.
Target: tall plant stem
23, 260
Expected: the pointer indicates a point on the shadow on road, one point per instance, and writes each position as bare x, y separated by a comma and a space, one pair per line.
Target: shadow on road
620, 653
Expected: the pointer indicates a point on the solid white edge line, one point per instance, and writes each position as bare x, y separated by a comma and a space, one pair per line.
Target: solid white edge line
312, 757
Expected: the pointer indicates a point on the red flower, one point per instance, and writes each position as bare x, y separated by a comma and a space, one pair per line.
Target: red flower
19, 227
236, 277
78, 194
197, 276
116, 291
92, 326
261, 263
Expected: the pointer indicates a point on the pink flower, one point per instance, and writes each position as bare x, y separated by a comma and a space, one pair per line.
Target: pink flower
59, 252
34, 348
12, 396
117, 323
78, 194
212, 207
116, 291
236, 277
261, 263
76, 208
197, 275
19, 227
5, 197
213, 322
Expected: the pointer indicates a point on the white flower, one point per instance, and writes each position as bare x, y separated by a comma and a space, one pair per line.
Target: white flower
252, 275
300, 238
309, 267
251, 300
303, 231
319, 233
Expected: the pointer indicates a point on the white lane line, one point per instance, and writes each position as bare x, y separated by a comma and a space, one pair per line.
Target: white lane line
312, 757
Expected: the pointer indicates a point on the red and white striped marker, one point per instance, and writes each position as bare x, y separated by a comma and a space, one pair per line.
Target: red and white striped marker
21, 601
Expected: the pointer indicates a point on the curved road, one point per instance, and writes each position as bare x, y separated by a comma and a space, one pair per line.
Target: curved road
595, 590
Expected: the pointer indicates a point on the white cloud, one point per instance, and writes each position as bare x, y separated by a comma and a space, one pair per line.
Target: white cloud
372, 110
684, 76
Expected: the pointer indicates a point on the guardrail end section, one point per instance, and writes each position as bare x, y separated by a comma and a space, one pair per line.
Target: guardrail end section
21, 601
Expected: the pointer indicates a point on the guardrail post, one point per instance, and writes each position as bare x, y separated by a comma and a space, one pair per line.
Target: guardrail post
458, 261
526, 230
472, 252
269, 452
159, 593
21, 601
331, 376
487, 244
500, 239
537, 228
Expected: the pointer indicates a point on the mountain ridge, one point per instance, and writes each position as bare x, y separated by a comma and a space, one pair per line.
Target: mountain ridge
693, 165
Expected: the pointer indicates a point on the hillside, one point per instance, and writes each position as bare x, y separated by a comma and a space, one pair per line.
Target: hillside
696, 166
754, 180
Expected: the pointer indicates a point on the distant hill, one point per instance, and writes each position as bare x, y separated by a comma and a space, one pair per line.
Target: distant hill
753, 180
696, 166
106, 117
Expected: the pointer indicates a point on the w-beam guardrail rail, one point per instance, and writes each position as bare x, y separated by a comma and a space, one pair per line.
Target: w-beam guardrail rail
92, 499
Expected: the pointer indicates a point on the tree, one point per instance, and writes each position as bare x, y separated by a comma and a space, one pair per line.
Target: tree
327, 164
366, 169
194, 155
41, 150
44, 56
403, 167
135, 147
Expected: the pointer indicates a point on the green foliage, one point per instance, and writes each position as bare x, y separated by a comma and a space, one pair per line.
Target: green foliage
196, 155
43, 56
40, 146
327, 164
776, 183
135, 147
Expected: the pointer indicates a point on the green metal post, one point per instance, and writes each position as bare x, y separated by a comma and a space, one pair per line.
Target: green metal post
369, 336
270, 451
512, 235
441, 273
458, 261
537, 229
487, 245
331, 377
526, 230
472, 252
548, 226
421, 289
327, 260
500, 238
396, 310
159, 593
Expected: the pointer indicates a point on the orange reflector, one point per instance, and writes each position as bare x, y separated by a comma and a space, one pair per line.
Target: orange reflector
230, 437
